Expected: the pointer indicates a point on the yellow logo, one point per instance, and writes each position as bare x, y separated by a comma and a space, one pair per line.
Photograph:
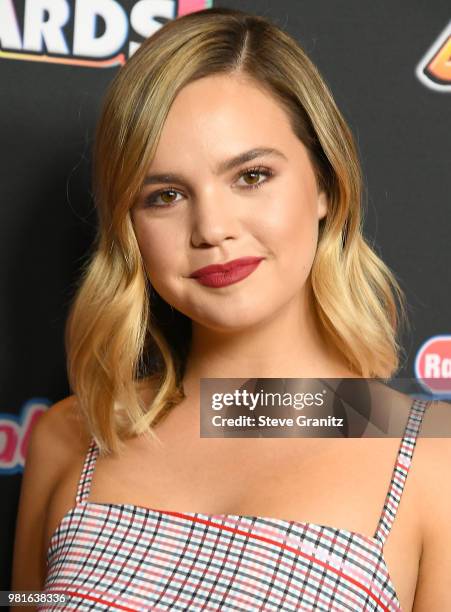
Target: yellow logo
434, 69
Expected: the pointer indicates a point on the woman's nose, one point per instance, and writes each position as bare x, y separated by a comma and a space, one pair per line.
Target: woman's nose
214, 218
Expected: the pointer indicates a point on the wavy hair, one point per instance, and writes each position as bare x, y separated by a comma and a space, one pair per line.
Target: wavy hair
120, 335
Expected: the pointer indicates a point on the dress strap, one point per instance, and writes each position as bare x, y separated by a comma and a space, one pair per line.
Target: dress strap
84, 484
401, 469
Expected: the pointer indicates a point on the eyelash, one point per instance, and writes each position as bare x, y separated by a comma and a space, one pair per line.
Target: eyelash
263, 170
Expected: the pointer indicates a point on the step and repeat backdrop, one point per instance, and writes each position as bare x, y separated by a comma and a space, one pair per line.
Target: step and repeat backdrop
388, 65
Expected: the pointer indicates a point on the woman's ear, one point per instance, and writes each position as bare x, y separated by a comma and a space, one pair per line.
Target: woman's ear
322, 204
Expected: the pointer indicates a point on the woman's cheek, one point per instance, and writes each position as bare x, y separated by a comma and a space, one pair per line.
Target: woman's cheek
154, 248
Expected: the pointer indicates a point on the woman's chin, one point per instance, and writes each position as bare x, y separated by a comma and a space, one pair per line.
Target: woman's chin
231, 322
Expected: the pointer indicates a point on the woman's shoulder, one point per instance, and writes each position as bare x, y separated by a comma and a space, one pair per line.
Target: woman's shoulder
61, 432
433, 466
433, 462
57, 440
429, 474
64, 425
66, 418
429, 485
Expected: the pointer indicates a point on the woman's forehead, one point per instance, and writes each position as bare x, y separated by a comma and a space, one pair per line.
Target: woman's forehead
222, 97
219, 116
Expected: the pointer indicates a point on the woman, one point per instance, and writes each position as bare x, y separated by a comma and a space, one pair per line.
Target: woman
219, 142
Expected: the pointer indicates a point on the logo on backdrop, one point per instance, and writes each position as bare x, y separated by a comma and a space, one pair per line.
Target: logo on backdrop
433, 365
15, 433
434, 69
92, 33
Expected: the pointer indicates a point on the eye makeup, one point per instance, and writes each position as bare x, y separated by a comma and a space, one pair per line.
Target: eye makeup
150, 201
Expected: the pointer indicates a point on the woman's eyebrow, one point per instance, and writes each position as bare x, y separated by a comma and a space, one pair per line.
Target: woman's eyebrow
225, 166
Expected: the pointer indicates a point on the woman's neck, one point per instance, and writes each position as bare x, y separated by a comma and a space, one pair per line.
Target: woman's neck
287, 346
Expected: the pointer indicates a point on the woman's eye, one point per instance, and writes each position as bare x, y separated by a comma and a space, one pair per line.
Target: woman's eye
166, 195
253, 175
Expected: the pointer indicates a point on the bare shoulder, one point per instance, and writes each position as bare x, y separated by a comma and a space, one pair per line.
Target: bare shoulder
433, 452
64, 425
433, 465
432, 459
57, 437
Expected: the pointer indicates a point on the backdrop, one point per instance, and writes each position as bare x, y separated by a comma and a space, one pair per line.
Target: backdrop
389, 67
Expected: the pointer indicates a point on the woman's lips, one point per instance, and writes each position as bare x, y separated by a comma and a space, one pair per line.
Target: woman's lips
218, 275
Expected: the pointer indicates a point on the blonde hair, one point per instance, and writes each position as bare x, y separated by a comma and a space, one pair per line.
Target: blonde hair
119, 333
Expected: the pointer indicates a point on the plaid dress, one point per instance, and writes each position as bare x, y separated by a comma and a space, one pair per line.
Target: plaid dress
127, 557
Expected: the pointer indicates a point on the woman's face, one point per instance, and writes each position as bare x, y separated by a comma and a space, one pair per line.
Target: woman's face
214, 211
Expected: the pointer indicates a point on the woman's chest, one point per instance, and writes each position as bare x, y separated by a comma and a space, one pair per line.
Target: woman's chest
341, 484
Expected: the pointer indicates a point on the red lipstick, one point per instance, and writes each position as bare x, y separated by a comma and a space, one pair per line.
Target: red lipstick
220, 275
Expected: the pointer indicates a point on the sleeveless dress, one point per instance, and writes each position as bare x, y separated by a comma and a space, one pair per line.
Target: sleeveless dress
126, 557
